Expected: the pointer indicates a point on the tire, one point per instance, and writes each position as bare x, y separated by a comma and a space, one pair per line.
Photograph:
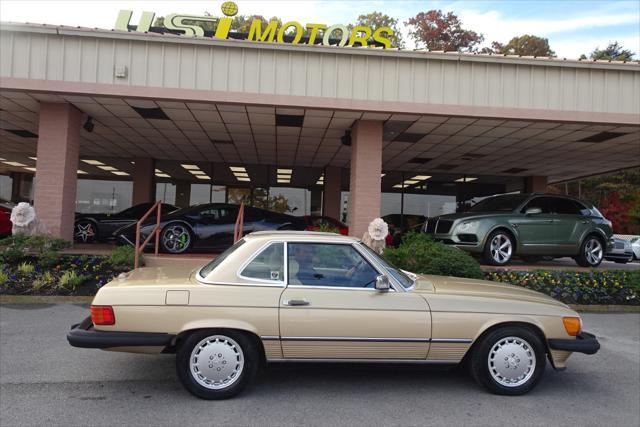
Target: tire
85, 232
499, 248
591, 252
508, 361
220, 348
176, 238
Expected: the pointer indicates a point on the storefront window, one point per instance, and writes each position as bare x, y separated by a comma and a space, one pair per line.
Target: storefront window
293, 201
200, 193
166, 192
97, 196
5, 188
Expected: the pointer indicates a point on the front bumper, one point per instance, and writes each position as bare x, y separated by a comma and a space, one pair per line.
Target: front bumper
83, 335
584, 343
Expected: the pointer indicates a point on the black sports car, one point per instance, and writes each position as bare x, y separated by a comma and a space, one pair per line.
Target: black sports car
208, 227
94, 227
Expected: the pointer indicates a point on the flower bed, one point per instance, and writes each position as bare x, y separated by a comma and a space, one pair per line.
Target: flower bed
571, 287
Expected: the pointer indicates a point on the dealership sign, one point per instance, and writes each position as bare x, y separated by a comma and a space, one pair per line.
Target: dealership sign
289, 32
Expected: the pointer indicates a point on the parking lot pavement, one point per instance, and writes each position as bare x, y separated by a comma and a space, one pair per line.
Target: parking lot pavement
44, 381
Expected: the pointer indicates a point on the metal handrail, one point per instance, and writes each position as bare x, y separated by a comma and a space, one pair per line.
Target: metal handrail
156, 232
239, 226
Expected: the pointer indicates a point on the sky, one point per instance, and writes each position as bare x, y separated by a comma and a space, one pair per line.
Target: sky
573, 27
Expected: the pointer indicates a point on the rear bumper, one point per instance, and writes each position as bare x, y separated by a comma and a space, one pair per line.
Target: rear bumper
584, 343
83, 335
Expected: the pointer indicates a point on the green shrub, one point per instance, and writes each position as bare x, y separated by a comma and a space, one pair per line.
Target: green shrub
49, 259
124, 257
418, 253
26, 268
573, 287
14, 248
327, 228
4, 277
71, 280
45, 279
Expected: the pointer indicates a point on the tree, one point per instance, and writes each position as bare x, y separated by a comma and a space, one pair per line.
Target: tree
375, 20
526, 45
438, 31
613, 52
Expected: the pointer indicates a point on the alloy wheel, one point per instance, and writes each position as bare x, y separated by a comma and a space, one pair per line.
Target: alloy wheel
593, 251
85, 232
511, 361
176, 238
501, 248
216, 362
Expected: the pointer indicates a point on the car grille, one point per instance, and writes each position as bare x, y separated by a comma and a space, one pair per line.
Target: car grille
443, 226
618, 245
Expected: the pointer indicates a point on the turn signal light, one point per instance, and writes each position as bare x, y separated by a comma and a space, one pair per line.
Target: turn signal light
102, 315
573, 325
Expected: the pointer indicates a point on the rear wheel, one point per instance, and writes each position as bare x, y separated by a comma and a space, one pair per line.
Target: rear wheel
508, 361
591, 252
85, 232
216, 364
499, 248
176, 238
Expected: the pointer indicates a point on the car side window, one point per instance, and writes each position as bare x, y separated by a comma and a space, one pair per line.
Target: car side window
325, 264
218, 214
565, 207
542, 203
268, 265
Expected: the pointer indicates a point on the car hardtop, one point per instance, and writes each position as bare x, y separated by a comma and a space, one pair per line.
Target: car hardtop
300, 236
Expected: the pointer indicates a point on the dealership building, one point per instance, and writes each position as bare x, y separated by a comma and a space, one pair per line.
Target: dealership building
98, 120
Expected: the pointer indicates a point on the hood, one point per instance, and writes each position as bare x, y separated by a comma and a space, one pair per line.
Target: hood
480, 288
157, 276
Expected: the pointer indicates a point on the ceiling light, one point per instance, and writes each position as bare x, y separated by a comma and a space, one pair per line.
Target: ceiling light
237, 169
242, 174
283, 181
410, 182
33, 158
159, 171
421, 177
93, 162
284, 176
320, 182
289, 171
198, 172
203, 176
398, 186
81, 172
382, 175
17, 164
31, 169
107, 168
163, 175
2, 159
190, 167
466, 179
244, 179
119, 173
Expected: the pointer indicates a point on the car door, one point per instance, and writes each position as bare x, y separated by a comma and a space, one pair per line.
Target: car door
330, 310
570, 224
535, 230
215, 226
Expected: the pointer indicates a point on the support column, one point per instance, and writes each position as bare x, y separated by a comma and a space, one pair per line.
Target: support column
535, 184
183, 194
144, 181
364, 183
57, 167
332, 190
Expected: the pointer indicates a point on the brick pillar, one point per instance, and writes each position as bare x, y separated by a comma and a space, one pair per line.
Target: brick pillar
183, 194
144, 182
56, 167
332, 189
364, 184
535, 184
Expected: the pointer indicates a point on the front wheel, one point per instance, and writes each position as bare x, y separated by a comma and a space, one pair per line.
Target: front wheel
216, 364
591, 252
509, 361
85, 232
499, 248
176, 238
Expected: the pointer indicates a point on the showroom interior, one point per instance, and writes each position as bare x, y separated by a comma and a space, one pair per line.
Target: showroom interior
98, 120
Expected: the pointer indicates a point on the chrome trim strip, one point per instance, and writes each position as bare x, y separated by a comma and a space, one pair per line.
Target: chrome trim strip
451, 340
416, 361
336, 288
360, 339
270, 338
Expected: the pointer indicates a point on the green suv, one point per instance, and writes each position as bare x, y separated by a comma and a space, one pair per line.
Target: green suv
527, 225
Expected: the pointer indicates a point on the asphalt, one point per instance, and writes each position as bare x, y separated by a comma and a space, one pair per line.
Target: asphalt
44, 381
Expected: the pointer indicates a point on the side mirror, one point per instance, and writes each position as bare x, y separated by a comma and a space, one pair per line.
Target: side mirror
382, 283
533, 211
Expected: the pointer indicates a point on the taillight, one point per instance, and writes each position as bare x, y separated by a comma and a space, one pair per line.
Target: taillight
102, 315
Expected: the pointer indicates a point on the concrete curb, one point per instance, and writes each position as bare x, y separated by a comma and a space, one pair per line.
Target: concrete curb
56, 299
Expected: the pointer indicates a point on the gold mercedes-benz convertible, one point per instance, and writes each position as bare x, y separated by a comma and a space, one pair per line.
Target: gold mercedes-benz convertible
305, 296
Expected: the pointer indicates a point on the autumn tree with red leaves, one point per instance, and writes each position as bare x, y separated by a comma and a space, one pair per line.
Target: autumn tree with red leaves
438, 31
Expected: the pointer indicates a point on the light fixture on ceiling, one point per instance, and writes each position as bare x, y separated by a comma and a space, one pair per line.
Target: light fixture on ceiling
196, 172
237, 169
466, 179
240, 172
88, 125
203, 177
190, 167
30, 169
16, 164
34, 158
107, 168
119, 173
93, 162
81, 172
163, 175
421, 177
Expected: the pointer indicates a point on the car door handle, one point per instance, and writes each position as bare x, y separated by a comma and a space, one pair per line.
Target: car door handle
296, 302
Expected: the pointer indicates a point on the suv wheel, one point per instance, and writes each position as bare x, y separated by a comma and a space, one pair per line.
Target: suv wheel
591, 252
216, 364
499, 248
508, 361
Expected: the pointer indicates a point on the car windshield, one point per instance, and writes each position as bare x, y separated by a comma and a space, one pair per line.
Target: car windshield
506, 203
204, 271
397, 274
